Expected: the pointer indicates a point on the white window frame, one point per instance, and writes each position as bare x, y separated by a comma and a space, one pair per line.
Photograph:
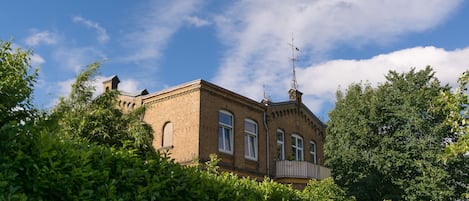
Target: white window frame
250, 141
297, 147
281, 144
312, 152
223, 127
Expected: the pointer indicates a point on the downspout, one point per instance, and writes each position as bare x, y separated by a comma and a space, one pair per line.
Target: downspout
267, 143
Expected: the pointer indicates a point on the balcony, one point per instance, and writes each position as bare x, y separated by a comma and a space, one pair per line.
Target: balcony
301, 169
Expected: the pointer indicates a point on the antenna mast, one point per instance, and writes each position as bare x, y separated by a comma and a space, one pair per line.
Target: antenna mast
294, 58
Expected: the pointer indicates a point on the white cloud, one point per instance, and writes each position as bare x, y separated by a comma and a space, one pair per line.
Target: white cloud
129, 85
257, 38
155, 27
77, 58
103, 37
320, 82
197, 22
42, 37
37, 60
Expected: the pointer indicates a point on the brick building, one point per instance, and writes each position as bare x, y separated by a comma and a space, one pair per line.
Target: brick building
282, 140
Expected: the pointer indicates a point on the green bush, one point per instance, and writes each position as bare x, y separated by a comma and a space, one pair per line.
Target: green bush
325, 190
45, 167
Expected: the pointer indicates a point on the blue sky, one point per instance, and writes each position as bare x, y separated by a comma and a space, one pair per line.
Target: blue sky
239, 45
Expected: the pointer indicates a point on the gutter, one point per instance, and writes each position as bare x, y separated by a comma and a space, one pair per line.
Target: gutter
267, 143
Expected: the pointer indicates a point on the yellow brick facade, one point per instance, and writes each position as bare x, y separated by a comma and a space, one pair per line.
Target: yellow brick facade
192, 109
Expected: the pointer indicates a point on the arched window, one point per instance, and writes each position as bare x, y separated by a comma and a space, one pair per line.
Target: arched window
312, 152
129, 106
225, 132
167, 135
250, 139
297, 147
280, 144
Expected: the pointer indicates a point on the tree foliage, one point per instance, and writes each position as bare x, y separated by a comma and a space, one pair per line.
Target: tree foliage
384, 142
99, 120
457, 102
17, 78
325, 190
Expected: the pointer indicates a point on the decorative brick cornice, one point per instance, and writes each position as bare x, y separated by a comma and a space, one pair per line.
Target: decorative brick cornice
155, 99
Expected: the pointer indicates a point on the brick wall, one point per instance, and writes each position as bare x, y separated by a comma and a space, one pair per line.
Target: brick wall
193, 110
181, 107
213, 100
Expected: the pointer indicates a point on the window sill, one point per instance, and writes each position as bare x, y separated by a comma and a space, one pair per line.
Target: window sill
165, 148
250, 158
225, 152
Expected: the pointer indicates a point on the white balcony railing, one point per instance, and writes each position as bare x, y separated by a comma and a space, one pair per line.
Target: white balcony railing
301, 169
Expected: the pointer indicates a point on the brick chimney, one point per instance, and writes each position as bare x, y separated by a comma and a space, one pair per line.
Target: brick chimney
295, 95
111, 83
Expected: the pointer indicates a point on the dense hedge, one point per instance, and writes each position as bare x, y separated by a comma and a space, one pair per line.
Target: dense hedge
42, 166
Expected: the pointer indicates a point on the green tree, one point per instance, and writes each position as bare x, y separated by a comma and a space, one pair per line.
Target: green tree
17, 78
457, 102
384, 142
81, 116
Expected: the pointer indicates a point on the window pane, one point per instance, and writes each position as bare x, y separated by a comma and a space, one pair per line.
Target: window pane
220, 138
312, 151
228, 139
250, 146
279, 136
224, 138
312, 147
168, 134
280, 152
250, 127
246, 146
254, 144
295, 153
252, 141
280, 145
225, 118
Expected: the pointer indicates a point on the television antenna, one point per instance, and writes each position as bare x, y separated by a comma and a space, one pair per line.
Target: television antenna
293, 59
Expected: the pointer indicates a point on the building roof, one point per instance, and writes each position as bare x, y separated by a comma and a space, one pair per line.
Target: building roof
140, 92
110, 78
200, 83
302, 105
207, 86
